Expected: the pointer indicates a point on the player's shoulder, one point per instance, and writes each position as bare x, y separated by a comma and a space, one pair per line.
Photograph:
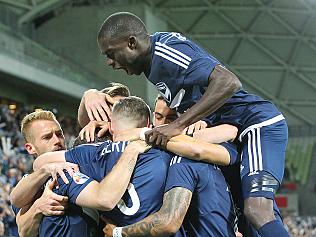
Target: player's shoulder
169, 38
155, 156
156, 153
179, 162
176, 159
174, 47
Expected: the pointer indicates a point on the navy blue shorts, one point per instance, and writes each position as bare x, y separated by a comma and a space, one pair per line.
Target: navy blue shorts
263, 157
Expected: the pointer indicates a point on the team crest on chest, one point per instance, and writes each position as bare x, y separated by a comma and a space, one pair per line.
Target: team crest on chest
164, 91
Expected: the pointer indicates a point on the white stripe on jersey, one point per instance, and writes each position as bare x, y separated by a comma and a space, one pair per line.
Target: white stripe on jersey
171, 59
174, 50
254, 150
259, 149
249, 153
163, 50
175, 159
262, 124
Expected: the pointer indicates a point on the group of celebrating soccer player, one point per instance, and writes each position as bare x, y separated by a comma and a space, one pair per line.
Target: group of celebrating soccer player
208, 164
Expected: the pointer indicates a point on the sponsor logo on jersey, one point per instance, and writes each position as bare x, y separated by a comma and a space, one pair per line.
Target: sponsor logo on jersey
80, 178
164, 91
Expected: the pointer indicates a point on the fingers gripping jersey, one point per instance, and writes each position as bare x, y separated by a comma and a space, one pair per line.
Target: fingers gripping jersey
145, 191
76, 221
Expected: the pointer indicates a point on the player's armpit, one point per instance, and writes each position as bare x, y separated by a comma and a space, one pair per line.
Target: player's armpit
167, 220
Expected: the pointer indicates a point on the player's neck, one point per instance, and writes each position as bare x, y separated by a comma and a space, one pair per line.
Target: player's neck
147, 56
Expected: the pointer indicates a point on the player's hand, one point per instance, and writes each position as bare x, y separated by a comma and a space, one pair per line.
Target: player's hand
89, 130
96, 105
139, 146
238, 234
109, 226
127, 135
161, 135
51, 204
58, 168
199, 125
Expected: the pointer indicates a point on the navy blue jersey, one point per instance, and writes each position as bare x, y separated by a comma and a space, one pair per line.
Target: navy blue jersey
145, 191
180, 70
77, 221
92, 158
211, 212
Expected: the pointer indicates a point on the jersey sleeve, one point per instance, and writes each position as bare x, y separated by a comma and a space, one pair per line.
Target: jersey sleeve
195, 64
81, 155
232, 149
181, 175
15, 209
76, 184
199, 71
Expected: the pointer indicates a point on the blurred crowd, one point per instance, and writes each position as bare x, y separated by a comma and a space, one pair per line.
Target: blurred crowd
15, 161
300, 226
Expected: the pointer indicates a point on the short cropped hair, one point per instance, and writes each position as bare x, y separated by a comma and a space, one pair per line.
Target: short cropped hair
34, 116
116, 89
122, 25
159, 97
132, 108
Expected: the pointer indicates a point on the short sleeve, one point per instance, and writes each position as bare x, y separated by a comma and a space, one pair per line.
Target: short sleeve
81, 155
232, 149
199, 72
181, 175
75, 186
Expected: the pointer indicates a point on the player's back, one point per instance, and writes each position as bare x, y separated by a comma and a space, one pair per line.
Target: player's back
145, 192
211, 211
75, 222
180, 70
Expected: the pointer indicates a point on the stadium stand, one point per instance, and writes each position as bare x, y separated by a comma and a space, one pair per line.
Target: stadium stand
299, 157
301, 226
15, 161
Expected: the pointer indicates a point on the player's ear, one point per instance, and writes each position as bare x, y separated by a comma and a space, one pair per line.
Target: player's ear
111, 128
30, 148
132, 42
148, 123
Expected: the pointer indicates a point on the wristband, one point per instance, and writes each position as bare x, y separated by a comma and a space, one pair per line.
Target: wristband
142, 133
117, 232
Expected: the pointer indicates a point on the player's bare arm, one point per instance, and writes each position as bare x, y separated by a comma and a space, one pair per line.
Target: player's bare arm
198, 150
222, 85
106, 196
167, 220
217, 134
25, 191
29, 217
